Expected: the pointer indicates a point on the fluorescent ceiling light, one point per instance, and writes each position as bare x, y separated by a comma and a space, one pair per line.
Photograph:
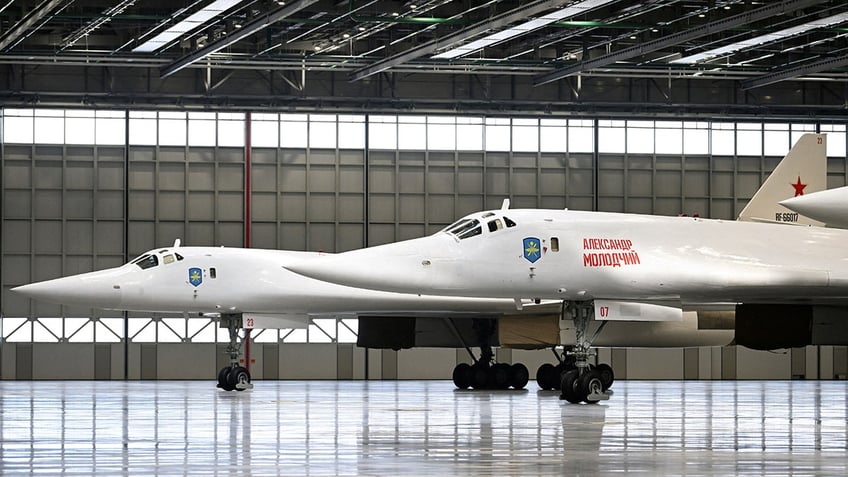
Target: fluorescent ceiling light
526, 27
191, 23
763, 39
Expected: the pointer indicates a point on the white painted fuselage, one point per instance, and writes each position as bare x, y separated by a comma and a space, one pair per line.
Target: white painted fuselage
576, 255
234, 280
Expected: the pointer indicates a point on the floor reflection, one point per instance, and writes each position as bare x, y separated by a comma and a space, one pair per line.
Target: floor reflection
421, 428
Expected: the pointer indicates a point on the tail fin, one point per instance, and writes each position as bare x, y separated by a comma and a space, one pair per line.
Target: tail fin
802, 171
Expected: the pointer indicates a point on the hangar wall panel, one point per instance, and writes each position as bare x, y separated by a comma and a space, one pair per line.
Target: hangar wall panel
62, 361
308, 361
753, 364
426, 363
643, 363
177, 361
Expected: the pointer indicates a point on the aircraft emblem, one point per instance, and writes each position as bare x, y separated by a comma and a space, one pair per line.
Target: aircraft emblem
532, 252
799, 187
195, 276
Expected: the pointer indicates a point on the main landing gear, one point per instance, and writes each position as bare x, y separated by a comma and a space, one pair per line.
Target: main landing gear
233, 377
485, 373
549, 376
585, 383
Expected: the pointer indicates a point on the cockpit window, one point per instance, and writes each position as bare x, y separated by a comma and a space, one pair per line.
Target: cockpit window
179, 257
168, 259
471, 232
495, 225
146, 261
452, 228
462, 227
509, 222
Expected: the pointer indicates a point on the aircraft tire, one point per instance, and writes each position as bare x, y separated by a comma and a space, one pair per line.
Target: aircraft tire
238, 375
519, 376
546, 376
590, 383
224, 379
569, 387
607, 375
480, 377
501, 375
462, 375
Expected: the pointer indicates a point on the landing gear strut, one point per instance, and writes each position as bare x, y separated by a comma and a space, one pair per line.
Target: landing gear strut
233, 377
585, 383
485, 373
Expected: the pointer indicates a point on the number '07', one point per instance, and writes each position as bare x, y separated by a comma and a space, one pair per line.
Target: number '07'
603, 311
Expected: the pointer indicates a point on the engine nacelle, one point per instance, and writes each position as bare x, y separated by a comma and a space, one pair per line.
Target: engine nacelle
773, 326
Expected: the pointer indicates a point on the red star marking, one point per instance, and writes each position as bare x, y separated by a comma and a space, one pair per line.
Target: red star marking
799, 187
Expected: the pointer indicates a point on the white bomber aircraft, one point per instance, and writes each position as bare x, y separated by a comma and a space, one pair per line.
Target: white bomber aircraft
251, 288
828, 206
788, 285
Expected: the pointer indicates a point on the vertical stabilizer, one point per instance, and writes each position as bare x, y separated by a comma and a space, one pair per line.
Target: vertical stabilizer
802, 171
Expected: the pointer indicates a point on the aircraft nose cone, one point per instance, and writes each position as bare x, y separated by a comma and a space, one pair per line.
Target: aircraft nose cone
96, 291
375, 269
34, 290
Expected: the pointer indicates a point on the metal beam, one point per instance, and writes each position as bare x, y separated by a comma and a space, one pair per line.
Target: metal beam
28, 21
805, 69
250, 28
498, 21
734, 21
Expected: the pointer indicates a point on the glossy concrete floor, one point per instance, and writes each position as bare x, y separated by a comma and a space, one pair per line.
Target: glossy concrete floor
421, 428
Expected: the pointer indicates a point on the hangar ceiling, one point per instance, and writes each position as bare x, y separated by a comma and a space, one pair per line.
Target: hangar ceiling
559, 57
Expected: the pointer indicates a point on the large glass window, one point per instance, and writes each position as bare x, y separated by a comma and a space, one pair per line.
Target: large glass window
143, 128
351, 132
612, 137
669, 137
723, 139
383, 132
172, 129
749, 139
322, 131
640, 137
231, 129
553, 135
201, 129
294, 130
441, 133
835, 139
696, 138
264, 130
469, 134
412, 133
581, 135
525, 135
498, 134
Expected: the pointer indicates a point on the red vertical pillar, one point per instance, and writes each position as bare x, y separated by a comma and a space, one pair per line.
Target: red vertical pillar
247, 193
247, 187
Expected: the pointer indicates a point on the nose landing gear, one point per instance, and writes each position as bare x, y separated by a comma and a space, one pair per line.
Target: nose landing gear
233, 377
585, 383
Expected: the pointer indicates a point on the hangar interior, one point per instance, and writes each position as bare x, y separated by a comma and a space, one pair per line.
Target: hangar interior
318, 125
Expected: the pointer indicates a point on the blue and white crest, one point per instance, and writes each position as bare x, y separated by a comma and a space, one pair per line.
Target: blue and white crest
195, 276
532, 249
